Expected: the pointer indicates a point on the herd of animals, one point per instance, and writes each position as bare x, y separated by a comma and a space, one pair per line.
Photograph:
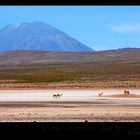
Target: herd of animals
100, 94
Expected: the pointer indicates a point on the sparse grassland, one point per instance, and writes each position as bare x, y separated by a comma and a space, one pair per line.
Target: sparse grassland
72, 74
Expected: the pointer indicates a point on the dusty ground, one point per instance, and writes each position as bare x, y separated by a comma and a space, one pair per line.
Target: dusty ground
125, 96
73, 106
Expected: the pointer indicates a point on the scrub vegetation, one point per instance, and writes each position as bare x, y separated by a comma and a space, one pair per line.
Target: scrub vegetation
72, 74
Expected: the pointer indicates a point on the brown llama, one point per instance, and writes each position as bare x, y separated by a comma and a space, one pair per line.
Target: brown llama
126, 92
54, 96
57, 95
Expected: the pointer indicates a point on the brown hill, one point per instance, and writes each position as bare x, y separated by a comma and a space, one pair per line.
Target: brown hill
19, 57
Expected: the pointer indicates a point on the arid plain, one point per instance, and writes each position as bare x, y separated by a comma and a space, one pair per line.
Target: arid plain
72, 106
27, 86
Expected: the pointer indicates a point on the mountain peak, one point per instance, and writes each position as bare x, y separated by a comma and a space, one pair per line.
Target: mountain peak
38, 36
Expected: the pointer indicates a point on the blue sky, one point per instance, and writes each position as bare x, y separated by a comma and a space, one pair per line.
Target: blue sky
99, 27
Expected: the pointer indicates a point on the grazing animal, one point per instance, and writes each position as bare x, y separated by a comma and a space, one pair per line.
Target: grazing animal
57, 95
54, 96
126, 92
100, 94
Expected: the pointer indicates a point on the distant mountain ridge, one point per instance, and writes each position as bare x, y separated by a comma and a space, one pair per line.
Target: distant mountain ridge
38, 36
28, 57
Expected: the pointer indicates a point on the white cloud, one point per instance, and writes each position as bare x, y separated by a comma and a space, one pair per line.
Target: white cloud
126, 28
